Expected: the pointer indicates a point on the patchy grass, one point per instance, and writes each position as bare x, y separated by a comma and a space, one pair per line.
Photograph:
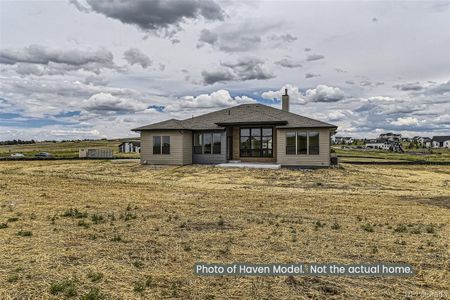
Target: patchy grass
124, 231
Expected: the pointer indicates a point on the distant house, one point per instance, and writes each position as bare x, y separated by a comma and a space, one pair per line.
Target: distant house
378, 144
391, 144
343, 140
392, 137
249, 133
422, 141
440, 141
95, 153
130, 146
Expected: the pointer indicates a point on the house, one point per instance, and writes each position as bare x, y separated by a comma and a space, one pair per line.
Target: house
378, 144
130, 146
422, 141
95, 153
246, 133
392, 137
440, 141
343, 140
384, 144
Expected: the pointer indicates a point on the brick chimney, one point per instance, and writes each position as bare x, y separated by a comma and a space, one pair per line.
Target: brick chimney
285, 101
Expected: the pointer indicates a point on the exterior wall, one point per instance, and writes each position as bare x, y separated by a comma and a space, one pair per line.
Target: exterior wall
323, 159
95, 153
212, 158
447, 144
237, 142
180, 148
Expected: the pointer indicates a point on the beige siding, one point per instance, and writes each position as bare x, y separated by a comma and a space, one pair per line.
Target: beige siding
180, 148
323, 159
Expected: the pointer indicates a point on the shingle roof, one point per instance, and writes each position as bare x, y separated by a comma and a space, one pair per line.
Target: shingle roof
441, 138
241, 114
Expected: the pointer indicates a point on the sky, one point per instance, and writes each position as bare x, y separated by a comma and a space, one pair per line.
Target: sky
88, 69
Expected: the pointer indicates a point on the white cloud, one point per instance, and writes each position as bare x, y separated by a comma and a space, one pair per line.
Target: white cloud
407, 121
218, 99
323, 93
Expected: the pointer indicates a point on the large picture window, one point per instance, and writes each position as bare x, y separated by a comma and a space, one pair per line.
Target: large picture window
290, 142
156, 145
313, 143
166, 145
198, 143
207, 139
256, 142
208, 143
217, 143
161, 145
302, 142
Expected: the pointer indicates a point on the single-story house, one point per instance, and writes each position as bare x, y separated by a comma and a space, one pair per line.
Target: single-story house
95, 153
246, 133
343, 140
440, 142
130, 146
379, 144
391, 136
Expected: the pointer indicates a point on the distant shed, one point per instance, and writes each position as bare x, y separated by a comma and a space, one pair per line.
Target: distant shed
95, 153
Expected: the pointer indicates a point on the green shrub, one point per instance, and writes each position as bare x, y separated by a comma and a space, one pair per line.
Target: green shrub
24, 233
67, 287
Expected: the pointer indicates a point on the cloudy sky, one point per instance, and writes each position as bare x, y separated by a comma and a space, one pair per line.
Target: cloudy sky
96, 68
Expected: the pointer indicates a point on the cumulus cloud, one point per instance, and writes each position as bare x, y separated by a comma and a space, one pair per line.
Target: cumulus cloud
370, 83
294, 93
288, 63
323, 93
243, 36
406, 121
135, 56
243, 69
217, 99
311, 75
55, 61
416, 86
106, 103
312, 57
159, 17
285, 38
221, 75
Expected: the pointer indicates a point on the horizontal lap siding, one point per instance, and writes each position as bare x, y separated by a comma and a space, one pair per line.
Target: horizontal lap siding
213, 158
180, 145
323, 159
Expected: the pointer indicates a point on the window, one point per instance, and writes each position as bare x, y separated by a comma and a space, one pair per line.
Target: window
267, 142
166, 145
217, 143
302, 143
161, 148
290, 142
256, 142
313, 143
156, 145
207, 143
198, 142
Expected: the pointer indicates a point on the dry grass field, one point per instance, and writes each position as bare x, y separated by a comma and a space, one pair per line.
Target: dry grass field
103, 230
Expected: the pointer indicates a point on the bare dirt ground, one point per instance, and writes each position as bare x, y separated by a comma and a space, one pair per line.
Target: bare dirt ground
98, 230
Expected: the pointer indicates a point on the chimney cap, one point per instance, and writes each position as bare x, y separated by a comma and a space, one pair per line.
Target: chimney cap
285, 92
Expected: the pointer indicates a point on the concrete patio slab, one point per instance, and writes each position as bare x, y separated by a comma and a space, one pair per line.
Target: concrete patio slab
250, 165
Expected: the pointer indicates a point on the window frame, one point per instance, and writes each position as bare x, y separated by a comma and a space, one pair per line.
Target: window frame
215, 145
255, 142
308, 146
157, 145
160, 150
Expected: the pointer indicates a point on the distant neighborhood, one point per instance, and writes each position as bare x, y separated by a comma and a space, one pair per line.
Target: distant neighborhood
394, 142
